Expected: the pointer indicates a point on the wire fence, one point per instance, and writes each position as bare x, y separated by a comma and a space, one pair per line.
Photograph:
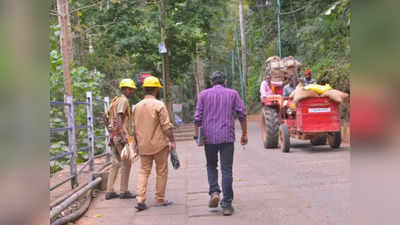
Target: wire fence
71, 128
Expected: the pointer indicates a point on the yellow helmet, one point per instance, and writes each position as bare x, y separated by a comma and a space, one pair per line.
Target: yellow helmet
127, 83
152, 82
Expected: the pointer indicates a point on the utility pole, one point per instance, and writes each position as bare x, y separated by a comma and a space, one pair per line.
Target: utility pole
240, 66
165, 60
244, 51
279, 28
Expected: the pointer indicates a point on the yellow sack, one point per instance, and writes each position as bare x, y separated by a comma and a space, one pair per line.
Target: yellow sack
319, 89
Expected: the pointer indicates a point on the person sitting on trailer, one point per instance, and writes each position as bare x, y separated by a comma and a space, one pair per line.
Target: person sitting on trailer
308, 79
289, 88
265, 88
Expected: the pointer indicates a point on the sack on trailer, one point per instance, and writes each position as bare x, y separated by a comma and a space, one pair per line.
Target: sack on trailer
335, 95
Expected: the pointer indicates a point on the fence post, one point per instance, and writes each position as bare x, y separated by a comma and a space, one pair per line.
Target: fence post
90, 129
72, 141
108, 151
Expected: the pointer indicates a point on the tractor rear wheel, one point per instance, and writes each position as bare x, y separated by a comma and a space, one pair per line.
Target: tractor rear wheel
284, 138
335, 139
319, 140
270, 127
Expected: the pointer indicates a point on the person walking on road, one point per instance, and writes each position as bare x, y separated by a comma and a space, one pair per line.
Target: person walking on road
214, 115
117, 120
154, 138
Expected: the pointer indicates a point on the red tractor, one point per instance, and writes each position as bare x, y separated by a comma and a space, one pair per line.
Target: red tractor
316, 119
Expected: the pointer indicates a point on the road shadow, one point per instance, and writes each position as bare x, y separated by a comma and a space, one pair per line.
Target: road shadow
305, 146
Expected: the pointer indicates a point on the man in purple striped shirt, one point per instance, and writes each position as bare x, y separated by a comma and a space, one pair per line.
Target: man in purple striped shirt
214, 114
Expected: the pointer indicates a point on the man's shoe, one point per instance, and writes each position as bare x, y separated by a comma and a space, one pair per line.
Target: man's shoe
227, 211
214, 200
111, 195
127, 195
140, 207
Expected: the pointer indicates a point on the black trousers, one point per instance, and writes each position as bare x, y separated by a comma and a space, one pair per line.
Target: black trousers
226, 155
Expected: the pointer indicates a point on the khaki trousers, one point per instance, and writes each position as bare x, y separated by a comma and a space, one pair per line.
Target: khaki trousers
161, 161
117, 163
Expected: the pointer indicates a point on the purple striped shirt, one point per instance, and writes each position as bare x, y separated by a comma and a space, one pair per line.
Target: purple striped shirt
214, 113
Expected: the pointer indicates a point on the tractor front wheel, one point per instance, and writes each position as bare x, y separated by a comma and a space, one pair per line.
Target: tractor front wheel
284, 138
270, 127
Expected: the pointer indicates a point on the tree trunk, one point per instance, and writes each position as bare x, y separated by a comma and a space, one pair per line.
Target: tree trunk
67, 55
168, 85
165, 61
244, 51
198, 70
65, 43
196, 78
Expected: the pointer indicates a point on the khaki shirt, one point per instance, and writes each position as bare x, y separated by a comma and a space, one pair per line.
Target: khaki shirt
150, 123
122, 106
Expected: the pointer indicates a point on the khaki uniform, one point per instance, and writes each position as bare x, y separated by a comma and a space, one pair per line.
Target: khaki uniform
119, 105
150, 122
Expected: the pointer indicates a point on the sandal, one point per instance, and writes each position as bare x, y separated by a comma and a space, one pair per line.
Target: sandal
165, 203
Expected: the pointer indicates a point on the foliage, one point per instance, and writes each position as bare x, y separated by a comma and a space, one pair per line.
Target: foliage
83, 81
325, 45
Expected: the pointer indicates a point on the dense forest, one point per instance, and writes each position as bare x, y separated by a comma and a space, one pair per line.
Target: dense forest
114, 39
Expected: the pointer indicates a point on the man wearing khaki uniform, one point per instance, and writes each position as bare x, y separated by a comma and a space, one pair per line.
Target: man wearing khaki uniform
154, 137
117, 120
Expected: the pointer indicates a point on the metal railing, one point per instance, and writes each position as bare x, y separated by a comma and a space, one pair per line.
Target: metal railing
72, 143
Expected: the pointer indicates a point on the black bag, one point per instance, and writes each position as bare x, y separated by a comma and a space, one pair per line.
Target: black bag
174, 159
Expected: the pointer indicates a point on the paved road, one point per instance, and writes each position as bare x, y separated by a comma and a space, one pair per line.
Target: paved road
308, 186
